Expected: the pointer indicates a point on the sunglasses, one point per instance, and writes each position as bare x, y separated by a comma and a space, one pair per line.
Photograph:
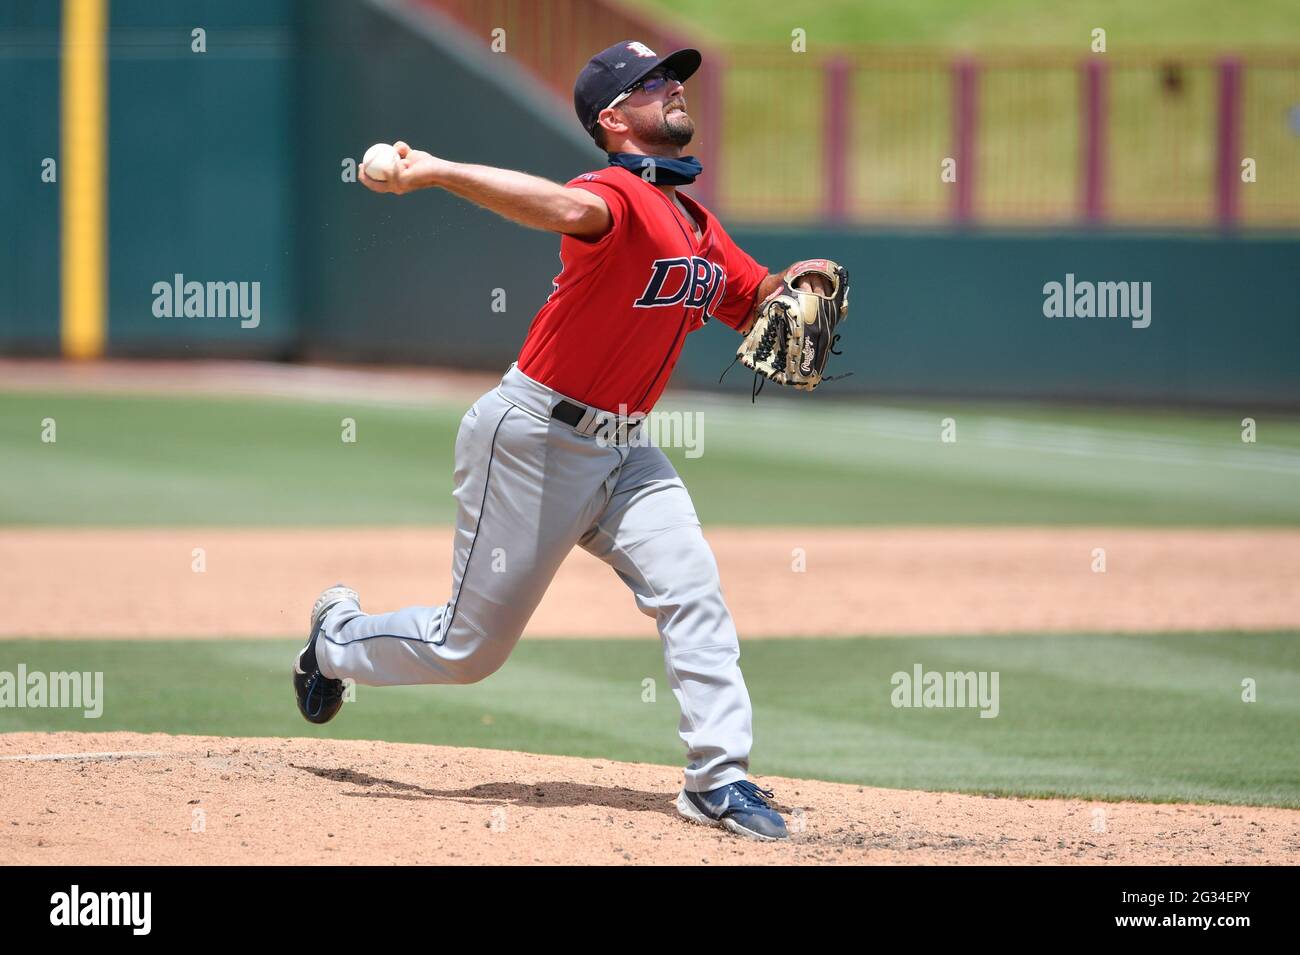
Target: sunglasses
651, 84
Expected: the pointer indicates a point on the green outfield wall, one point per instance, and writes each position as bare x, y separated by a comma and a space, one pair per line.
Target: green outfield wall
202, 171
963, 314
29, 207
426, 277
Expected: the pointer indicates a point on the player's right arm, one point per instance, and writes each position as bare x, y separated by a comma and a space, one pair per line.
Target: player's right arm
529, 200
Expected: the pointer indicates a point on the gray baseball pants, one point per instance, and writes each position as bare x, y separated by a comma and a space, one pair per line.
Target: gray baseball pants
529, 488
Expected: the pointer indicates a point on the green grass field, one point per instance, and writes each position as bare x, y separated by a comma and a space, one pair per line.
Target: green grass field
122, 460
1100, 717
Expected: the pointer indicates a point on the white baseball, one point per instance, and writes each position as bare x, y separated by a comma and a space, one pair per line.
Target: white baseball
380, 162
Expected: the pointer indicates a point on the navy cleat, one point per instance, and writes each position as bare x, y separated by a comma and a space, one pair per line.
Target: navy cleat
740, 807
319, 697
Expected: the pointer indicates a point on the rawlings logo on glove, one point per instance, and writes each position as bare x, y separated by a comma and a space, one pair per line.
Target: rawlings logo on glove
809, 353
793, 336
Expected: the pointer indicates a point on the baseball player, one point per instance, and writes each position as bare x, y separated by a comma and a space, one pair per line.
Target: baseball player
545, 460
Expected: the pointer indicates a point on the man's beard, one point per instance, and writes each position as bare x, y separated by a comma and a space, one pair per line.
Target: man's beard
664, 133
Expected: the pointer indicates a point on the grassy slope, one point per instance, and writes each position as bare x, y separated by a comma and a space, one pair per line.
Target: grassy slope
1153, 718
198, 460
985, 22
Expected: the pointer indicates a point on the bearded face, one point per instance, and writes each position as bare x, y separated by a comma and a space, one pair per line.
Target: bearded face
666, 124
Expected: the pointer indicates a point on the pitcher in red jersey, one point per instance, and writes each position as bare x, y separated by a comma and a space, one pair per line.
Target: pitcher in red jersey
643, 265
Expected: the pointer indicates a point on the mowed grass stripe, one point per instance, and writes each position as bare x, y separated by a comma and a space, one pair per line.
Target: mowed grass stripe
1158, 718
132, 460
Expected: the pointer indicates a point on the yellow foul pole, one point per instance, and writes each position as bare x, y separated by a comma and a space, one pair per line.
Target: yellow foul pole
83, 165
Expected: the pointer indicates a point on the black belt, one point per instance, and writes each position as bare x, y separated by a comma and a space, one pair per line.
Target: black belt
568, 412
594, 421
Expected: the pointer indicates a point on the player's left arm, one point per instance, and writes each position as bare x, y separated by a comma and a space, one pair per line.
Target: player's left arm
749, 284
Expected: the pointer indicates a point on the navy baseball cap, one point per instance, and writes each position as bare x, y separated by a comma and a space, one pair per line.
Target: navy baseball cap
620, 67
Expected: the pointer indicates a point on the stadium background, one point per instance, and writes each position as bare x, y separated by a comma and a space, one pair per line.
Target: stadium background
216, 169
228, 165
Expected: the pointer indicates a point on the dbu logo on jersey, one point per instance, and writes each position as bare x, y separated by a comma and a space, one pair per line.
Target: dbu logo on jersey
693, 282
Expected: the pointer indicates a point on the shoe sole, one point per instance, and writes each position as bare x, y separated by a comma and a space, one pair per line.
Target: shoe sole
691, 813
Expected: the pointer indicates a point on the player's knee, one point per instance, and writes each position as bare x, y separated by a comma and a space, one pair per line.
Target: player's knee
694, 576
478, 666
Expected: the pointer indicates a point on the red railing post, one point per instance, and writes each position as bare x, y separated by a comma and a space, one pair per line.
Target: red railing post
965, 76
711, 135
836, 137
1092, 140
1229, 142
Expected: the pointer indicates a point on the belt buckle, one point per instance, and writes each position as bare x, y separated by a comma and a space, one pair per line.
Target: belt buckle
612, 429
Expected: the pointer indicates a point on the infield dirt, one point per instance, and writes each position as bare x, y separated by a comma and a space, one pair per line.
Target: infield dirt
853, 581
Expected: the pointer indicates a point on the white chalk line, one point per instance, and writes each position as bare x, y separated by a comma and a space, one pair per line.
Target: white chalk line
58, 757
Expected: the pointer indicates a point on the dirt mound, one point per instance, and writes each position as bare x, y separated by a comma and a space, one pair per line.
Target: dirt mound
130, 798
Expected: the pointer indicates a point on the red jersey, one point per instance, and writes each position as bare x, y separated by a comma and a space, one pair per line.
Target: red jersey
613, 327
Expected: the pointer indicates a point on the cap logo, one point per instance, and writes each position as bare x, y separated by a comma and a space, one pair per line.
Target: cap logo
640, 49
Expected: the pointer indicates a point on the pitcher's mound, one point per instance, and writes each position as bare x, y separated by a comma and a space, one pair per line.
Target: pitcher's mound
131, 798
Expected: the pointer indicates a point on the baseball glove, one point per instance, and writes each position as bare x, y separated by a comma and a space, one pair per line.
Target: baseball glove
793, 336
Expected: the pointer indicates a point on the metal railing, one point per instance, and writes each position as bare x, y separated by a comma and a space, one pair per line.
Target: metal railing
1042, 137
1154, 138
